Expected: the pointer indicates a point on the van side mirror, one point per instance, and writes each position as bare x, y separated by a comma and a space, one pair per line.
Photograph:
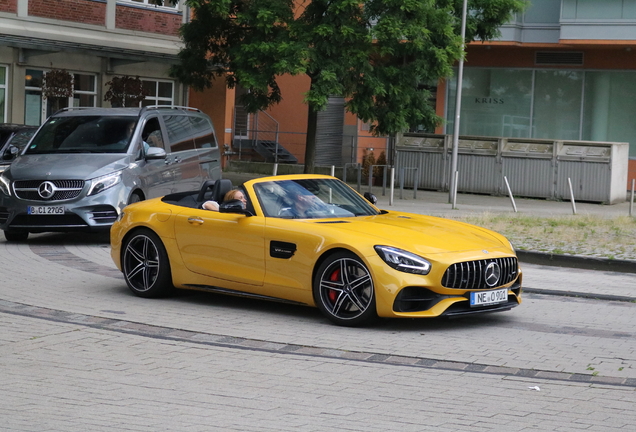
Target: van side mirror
155, 153
10, 153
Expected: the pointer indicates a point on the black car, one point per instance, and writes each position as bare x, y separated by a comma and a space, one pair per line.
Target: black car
15, 135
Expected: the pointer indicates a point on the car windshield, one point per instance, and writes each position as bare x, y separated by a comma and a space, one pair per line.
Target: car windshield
311, 199
84, 134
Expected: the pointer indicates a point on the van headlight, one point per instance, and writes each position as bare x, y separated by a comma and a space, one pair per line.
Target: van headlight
102, 183
5, 185
403, 261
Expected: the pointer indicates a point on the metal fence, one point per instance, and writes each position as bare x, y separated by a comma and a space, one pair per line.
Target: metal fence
534, 168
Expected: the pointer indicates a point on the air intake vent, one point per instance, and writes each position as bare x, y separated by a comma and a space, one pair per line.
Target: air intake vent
558, 58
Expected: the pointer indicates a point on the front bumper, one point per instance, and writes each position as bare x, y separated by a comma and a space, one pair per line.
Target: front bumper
84, 213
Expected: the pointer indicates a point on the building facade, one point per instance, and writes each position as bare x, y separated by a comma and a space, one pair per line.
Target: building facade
94, 41
564, 70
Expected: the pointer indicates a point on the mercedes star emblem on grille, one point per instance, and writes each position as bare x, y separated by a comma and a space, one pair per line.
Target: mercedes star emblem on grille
492, 274
46, 189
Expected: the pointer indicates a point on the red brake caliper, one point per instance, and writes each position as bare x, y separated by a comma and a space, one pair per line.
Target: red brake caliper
333, 294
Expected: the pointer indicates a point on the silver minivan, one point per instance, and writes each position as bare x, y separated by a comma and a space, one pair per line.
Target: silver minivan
84, 165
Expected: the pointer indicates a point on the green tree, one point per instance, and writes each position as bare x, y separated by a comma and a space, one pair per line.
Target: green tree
372, 52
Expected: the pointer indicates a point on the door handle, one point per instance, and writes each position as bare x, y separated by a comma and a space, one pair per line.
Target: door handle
193, 220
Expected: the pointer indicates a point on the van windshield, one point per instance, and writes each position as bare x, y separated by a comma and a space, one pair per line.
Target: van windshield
84, 134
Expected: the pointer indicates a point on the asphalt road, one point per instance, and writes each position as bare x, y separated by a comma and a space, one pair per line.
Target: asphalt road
79, 352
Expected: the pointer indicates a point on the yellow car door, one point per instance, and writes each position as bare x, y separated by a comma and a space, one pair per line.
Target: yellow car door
222, 245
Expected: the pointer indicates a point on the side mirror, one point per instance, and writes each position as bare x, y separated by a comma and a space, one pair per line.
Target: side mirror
234, 206
10, 153
155, 153
371, 198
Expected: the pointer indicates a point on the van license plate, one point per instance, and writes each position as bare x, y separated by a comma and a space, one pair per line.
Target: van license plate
485, 298
45, 210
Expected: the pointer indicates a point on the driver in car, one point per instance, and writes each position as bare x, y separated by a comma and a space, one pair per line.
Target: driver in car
304, 204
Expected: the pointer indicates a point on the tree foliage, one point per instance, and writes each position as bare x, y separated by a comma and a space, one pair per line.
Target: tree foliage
375, 53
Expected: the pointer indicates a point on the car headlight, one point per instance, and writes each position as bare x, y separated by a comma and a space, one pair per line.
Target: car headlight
403, 261
5, 185
100, 184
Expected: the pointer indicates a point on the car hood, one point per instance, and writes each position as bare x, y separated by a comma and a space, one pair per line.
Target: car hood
66, 166
422, 234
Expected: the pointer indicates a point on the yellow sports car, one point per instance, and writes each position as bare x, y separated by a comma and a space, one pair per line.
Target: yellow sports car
313, 240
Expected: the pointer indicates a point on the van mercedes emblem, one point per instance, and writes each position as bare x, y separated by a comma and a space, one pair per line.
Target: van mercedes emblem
46, 189
492, 274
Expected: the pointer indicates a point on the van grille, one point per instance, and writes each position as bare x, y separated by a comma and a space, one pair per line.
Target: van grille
474, 274
62, 189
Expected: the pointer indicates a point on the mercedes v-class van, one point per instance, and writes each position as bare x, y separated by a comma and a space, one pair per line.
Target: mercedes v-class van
84, 165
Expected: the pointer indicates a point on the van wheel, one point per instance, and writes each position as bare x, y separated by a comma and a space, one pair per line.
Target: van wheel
16, 236
135, 197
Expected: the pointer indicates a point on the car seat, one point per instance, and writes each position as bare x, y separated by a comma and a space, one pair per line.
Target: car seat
221, 187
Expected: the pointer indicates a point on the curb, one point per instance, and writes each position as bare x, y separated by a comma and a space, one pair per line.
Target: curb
551, 292
574, 261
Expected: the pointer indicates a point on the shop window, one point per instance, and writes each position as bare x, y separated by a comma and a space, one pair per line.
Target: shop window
610, 104
495, 102
159, 93
557, 104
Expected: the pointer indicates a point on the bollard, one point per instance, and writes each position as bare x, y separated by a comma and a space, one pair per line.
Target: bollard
572, 196
631, 201
275, 169
512, 199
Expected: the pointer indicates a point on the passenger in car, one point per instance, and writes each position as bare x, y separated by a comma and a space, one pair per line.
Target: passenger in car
234, 194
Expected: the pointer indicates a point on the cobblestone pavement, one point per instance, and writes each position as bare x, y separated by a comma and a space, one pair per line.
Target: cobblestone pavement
79, 352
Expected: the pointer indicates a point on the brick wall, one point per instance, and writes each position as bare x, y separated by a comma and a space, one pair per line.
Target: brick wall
147, 20
9, 6
83, 11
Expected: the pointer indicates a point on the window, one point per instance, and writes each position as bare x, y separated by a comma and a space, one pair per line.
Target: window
159, 93
84, 91
3, 94
546, 104
35, 111
172, 4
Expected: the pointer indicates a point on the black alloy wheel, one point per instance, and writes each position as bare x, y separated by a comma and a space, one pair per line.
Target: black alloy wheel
343, 290
145, 265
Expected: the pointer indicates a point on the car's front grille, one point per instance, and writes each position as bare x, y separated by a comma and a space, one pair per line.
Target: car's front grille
481, 274
61, 189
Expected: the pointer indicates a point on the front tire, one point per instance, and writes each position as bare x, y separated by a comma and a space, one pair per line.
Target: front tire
145, 265
344, 291
16, 236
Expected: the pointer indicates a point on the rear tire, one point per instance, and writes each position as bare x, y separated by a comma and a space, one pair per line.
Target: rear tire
344, 291
145, 265
16, 236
